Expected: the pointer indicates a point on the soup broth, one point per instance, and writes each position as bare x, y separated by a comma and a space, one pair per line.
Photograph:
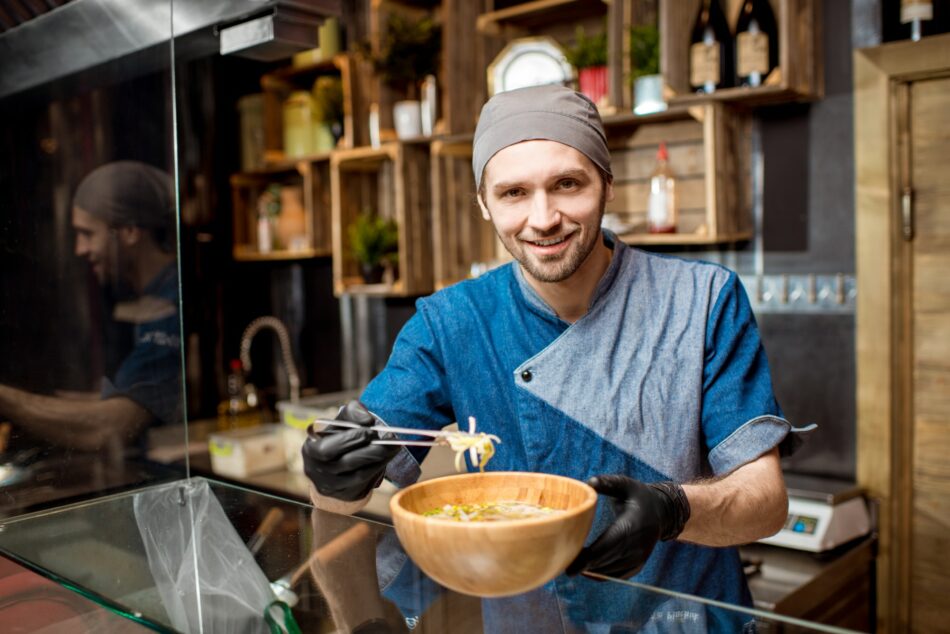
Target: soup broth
490, 512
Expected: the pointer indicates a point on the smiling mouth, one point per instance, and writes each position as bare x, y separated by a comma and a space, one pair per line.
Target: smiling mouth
549, 242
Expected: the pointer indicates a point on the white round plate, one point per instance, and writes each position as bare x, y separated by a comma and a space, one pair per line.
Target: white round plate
530, 61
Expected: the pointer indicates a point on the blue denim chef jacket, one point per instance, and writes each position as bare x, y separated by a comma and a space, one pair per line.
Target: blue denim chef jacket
151, 374
664, 378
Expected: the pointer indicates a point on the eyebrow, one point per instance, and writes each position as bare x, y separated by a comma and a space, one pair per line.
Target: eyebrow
577, 174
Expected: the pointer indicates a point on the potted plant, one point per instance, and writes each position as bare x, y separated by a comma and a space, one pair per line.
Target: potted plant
589, 56
409, 52
374, 243
645, 69
327, 112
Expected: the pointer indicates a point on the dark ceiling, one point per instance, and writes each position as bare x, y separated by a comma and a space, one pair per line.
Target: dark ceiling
13, 13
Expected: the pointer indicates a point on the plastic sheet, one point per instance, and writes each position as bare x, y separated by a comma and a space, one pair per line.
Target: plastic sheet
207, 578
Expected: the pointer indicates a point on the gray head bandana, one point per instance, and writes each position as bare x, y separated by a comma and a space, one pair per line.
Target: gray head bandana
551, 113
128, 193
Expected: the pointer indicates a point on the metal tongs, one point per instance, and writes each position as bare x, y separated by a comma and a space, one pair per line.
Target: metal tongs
439, 437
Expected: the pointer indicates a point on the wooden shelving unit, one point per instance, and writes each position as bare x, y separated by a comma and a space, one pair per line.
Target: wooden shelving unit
426, 185
798, 76
461, 237
248, 253
709, 154
391, 181
312, 177
278, 85
464, 57
538, 14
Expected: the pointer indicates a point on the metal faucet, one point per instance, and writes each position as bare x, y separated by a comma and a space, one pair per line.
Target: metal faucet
284, 338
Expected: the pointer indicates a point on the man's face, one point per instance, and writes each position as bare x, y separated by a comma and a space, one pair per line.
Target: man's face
97, 243
546, 201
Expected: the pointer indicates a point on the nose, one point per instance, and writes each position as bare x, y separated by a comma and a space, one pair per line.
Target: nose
544, 215
81, 247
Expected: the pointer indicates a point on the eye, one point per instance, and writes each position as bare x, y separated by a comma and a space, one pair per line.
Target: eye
514, 192
568, 184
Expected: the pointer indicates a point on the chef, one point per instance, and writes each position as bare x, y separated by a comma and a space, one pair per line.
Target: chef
123, 219
642, 374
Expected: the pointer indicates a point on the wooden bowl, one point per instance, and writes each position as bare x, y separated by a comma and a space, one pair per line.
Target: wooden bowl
494, 559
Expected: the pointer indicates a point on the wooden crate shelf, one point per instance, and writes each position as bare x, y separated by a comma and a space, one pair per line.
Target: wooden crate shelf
798, 75
313, 177
531, 16
559, 20
461, 237
278, 85
709, 154
391, 181
465, 55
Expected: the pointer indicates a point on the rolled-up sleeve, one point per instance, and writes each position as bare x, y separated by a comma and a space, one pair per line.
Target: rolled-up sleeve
741, 418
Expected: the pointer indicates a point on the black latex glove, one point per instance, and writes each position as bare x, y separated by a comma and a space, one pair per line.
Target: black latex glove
341, 462
645, 514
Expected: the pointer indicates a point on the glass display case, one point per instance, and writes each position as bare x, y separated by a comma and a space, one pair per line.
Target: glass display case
106, 523
199, 555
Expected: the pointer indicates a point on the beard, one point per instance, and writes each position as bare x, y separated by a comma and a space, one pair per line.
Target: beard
558, 267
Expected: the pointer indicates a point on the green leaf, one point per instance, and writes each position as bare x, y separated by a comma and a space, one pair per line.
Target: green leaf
587, 51
374, 240
644, 51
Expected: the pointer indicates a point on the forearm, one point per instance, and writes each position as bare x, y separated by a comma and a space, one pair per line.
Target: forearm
748, 504
333, 505
80, 424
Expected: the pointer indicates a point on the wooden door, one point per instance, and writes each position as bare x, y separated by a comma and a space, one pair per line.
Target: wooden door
902, 154
928, 156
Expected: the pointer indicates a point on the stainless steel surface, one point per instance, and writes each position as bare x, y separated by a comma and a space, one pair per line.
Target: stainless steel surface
827, 490
270, 37
85, 33
865, 23
802, 293
441, 436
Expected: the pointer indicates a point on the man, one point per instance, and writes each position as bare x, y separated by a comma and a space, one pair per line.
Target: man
641, 373
123, 217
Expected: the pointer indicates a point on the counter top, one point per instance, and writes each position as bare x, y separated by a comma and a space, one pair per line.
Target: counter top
138, 553
835, 588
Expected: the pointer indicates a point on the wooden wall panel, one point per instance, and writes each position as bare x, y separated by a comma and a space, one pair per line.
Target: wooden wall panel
902, 91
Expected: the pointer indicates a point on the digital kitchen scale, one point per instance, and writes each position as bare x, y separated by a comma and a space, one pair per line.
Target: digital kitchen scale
822, 514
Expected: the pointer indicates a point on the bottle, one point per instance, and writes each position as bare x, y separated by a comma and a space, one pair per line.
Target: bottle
756, 43
234, 411
914, 12
710, 51
268, 209
661, 209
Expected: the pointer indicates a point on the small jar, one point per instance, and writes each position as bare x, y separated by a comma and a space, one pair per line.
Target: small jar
298, 113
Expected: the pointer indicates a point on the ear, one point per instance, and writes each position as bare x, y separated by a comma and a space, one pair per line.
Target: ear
610, 191
481, 205
130, 236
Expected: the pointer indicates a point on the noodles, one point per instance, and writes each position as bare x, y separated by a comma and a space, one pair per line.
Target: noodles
490, 512
480, 447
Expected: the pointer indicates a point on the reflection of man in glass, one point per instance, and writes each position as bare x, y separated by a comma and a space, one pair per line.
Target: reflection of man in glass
123, 216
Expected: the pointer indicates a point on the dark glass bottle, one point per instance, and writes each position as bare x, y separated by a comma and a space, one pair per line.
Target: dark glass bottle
710, 51
756, 43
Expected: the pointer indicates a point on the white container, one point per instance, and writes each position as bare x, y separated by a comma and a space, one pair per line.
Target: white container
648, 94
407, 118
296, 417
239, 453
